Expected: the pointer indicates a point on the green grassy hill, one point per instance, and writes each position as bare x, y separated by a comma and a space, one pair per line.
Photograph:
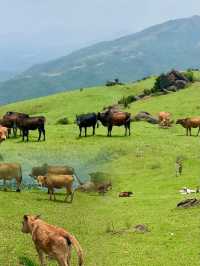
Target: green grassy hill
143, 163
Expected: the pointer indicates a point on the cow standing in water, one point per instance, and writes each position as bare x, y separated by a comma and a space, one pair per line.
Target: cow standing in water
85, 121
9, 171
111, 118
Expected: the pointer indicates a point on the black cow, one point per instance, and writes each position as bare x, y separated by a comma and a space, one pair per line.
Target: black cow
85, 121
32, 123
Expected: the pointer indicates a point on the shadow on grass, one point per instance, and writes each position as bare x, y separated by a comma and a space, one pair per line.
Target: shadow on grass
183, 135
54, 201
27, 262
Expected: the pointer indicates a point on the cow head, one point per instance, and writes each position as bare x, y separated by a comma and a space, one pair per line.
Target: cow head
27, 223
41, 180
78, 120
180, 121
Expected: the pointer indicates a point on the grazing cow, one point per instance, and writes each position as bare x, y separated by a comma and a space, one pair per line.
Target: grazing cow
3, 133
110, 119
32, 123
54, 241
57, 181
85, 121
9, 171
164, 119
11, 119
189, 123
125, 194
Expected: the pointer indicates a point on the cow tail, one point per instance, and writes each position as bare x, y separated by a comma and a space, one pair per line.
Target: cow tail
72, 240
78, 179
20, 175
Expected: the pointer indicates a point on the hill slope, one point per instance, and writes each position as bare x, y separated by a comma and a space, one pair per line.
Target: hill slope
142, 163
174, 44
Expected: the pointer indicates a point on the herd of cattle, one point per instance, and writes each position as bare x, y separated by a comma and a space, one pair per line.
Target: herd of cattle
109, 117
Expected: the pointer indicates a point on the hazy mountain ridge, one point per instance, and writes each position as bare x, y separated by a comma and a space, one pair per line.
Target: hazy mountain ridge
174, 44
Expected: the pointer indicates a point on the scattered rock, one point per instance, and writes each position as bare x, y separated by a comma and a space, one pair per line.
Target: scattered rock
145, 116
188, 203
141, 228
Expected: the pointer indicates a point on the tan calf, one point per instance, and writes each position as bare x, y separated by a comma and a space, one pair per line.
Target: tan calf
57, 181
51, 240
164, 119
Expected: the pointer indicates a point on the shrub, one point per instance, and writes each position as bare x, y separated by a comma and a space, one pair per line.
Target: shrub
127, 100
147, 91
189, 75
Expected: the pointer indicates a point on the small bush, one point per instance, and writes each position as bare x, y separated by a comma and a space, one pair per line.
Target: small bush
147, 91
127, 100
189, 75
63, 121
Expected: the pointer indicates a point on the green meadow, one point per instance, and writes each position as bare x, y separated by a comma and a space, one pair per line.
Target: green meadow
143, 163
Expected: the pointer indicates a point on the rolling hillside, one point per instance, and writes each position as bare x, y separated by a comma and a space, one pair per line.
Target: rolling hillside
142, 163
174, 44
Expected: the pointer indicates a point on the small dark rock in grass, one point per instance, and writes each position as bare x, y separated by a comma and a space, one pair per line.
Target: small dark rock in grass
188, 203
141, 228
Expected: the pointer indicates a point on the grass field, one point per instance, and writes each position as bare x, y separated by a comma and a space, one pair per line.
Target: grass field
142, 163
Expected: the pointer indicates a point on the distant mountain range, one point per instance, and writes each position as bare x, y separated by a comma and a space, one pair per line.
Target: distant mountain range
173, 44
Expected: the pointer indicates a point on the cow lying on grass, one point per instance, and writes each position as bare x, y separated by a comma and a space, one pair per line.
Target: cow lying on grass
189, 123
164, 119
54, 241
57, 181
125, 194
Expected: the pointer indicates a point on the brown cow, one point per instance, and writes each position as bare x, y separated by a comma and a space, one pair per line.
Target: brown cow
32, 123
57, 181
9, 171
189, 123
164, 119
52, 240
110, 119
3, 133
10, 120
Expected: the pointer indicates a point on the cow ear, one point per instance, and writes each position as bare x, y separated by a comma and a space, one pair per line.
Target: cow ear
37, 216
25, 217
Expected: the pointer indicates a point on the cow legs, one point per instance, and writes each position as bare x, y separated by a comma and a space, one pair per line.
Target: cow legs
40, 132
198, 132
4, 185
18, 186
109, 131
41, 257
80, 128
62, 261
125, 130
93, 133
85, 131
190, 131
51, 193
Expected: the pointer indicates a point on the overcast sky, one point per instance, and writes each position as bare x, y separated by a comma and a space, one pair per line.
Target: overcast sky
67, 25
